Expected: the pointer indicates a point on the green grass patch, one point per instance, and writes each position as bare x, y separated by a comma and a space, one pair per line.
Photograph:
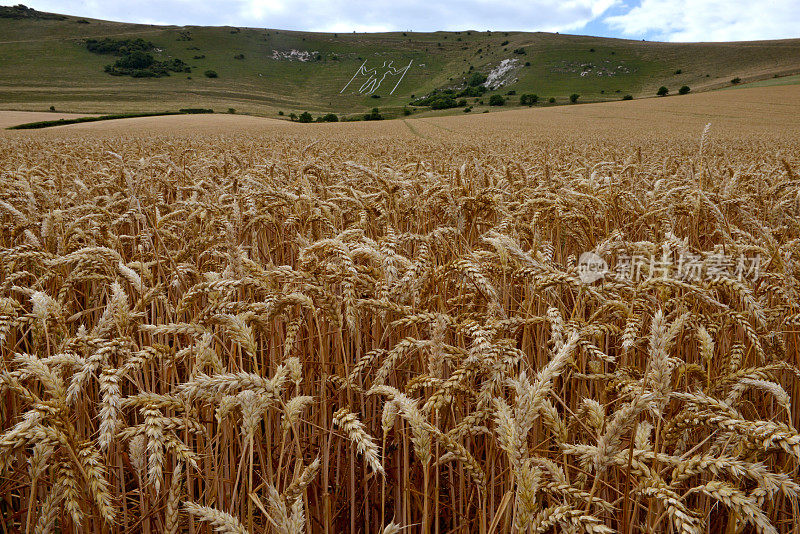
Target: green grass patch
46, 62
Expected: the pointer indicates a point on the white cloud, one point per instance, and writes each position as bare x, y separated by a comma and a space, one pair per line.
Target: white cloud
345, 15
669, 20
710, 20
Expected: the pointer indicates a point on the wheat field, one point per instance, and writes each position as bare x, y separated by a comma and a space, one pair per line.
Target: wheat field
390, 328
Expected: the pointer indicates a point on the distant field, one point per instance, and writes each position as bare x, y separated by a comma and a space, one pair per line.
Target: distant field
743, 114
769, 82
44, 63
12, 118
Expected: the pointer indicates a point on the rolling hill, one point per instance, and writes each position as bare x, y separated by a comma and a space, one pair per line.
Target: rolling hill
44, 61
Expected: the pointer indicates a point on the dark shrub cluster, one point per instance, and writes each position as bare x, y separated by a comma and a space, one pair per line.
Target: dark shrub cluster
23, 12
118, 47
134, 58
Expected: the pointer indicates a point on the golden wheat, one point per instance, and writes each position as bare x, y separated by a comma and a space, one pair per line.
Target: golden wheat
284, 333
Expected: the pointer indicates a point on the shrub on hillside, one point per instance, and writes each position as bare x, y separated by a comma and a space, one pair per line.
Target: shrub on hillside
305, 117
444, 103
118, 47
472, 91
684, 90
476, 79
438, 100
135, 60
574, 97
528, 99
497, 100
736, 80
142, 65
662, 91
210, 74
627, 97
373, 115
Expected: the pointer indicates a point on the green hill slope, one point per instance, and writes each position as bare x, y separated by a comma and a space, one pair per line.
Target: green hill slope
45, 61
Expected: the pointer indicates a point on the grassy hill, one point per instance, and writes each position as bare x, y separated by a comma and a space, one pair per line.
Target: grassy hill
44, 61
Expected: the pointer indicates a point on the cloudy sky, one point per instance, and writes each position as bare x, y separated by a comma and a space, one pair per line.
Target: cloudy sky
663, 20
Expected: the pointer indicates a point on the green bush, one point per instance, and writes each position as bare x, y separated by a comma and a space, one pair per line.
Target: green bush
135, 60
662, 91
118, 47
552, 100
140, 64
528, 99
736, 80
497, 100
373, 115
305, 117
574, 97
141, 73
438, 100
232, 111
210, 74
684, 90
476, 79
330, 117
627, 97
444, 103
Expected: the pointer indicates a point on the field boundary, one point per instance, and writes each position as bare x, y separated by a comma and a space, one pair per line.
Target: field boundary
62, 122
